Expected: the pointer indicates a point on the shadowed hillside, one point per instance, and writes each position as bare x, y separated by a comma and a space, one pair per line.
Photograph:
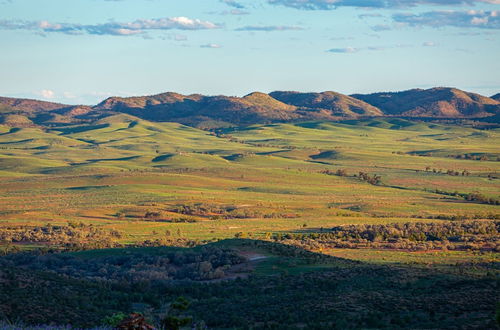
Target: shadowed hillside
230, 284
329, 103
434, 102
16, 121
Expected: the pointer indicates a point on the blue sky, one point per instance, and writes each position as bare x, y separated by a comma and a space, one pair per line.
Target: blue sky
82, 51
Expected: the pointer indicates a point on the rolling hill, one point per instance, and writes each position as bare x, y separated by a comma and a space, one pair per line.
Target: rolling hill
331, 103
258, 108
126, 213
198, 110
28, 112
27, 105
439, 102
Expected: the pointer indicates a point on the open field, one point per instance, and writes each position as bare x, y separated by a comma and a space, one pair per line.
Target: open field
271, 178
124, 181
250, 165
256, 180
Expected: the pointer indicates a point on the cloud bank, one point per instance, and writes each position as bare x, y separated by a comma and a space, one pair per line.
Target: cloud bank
140, 26
462, 19
333, 4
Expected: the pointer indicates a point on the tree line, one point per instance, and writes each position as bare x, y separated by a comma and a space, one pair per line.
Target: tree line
459, 235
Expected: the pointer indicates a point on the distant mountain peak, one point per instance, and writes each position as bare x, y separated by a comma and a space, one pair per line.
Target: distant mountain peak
30, 105
259, 108
442, 102
329, 102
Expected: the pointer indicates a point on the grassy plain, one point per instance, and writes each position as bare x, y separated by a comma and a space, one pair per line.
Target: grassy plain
150, 180
113, 172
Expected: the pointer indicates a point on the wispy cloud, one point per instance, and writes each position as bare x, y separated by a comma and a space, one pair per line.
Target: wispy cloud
352, 50
341, 38
233, 3
381, 27
175, 37
462, 19
140, 26
370, 15
346, 50
211, 46
473, 33
235, 12
270, 28
333, 4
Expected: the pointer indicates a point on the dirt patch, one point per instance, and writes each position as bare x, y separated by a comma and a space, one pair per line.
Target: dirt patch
251, 256
242, 270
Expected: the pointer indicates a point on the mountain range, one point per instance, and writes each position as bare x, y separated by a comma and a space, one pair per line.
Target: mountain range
260, 108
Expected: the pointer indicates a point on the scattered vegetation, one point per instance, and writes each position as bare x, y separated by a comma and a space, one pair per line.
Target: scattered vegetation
71, 236
101, 287
415, 236
148, 195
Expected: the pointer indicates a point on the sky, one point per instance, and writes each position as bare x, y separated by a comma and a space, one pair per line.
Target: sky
83, 51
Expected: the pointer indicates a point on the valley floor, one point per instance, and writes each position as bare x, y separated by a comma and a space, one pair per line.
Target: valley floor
399, 218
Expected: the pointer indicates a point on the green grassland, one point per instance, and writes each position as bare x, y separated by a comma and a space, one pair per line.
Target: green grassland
125, 166
113, 172
147, 181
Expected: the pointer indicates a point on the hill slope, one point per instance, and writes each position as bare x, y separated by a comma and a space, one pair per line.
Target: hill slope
198, 109
438, 102
258, 108
40, 112
27, 105
332, 103
250, 109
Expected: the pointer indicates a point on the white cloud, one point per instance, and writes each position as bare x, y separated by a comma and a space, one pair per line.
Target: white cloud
429, 44
140, 26
46, 93
461, 19
180, 37
352, 50
346, 50
211, 46
479, 20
